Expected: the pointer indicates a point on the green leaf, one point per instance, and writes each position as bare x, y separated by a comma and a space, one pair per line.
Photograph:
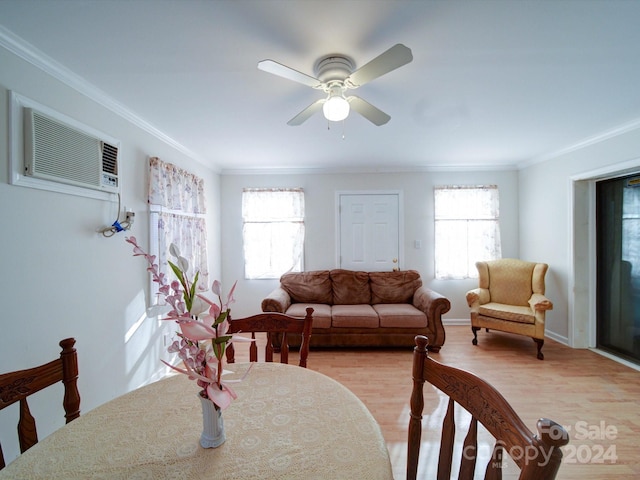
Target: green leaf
175, 268
177, 272
218, 349
222, 317
223, 339
192, 292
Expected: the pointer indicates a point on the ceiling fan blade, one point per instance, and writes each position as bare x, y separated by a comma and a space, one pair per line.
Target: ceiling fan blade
289, 73
304, 115
368, 111
395, 57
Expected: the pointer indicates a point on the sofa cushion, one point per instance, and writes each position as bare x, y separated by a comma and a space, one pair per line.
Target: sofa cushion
321, 313
309, 287
400, 315
507, 312
355, 316
394, 287
350, 287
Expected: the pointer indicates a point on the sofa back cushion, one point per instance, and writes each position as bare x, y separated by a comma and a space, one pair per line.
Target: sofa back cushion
308, 287
394, 287
350, 287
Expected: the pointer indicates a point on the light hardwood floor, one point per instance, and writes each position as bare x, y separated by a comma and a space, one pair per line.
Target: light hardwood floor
596, 398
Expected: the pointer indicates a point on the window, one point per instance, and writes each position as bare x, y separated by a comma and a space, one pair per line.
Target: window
467, 229
273, 231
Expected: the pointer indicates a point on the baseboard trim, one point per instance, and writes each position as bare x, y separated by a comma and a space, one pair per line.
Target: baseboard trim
466, 322
558, 338
457, 322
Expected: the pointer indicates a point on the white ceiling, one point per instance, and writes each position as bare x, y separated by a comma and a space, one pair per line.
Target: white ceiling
492, 83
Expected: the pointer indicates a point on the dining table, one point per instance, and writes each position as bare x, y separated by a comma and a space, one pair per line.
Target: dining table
288, 422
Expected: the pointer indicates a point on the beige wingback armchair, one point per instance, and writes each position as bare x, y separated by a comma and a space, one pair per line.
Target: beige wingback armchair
510, 298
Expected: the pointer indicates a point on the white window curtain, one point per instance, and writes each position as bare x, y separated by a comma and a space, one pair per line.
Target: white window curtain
273, 231
177, 206
467, 229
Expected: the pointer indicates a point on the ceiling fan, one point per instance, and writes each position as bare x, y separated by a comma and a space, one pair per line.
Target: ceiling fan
334, 75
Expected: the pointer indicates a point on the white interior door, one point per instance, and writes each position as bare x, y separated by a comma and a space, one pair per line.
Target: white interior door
369, 232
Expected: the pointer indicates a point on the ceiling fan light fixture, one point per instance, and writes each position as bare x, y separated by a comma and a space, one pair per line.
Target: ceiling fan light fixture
336, 108
335, 75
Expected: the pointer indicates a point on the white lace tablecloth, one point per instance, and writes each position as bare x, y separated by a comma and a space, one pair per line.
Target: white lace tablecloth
288, 422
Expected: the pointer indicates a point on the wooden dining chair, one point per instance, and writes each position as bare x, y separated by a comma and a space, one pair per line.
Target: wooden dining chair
537, 456
277, 326
17, 386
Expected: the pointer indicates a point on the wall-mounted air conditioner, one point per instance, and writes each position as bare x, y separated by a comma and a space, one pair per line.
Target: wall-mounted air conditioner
59, 152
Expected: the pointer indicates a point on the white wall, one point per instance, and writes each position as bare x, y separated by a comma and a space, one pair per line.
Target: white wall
60, 278
547, 223
320, 245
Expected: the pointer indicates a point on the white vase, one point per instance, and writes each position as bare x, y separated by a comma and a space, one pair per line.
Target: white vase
212, 425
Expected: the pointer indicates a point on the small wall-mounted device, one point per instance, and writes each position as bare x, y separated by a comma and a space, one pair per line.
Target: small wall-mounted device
119, 226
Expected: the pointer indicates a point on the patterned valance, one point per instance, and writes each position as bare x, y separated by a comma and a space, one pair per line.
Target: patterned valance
174, 188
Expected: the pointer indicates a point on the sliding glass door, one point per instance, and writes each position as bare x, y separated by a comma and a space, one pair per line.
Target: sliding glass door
618, 264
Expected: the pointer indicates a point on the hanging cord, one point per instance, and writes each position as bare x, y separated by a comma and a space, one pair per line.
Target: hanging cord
119, 226
343, 127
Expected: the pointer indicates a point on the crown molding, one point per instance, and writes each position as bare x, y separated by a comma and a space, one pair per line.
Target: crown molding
27, 52
365, 170
600, 137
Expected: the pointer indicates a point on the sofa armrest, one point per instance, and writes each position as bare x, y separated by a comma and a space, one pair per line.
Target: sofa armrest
277, 301
539, 302
430, 302
434, 306
477, 297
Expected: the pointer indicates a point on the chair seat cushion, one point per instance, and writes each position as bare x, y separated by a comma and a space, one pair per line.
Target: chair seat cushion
402, 315
511, 313
355, 316
321, 313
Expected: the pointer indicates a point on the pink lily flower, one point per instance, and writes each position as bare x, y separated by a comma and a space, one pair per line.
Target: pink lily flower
197, 330
204, 335
221, 395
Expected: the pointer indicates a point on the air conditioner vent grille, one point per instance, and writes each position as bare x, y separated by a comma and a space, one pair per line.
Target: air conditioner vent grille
64, 152
109, 158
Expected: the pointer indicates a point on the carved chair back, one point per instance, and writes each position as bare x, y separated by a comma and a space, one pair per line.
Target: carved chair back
277, 326
537, 456
17, 386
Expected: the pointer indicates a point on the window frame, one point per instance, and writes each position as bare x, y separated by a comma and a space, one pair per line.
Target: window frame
273, 219
471, 221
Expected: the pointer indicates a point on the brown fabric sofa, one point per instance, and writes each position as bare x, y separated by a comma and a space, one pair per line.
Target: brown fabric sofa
353, 308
